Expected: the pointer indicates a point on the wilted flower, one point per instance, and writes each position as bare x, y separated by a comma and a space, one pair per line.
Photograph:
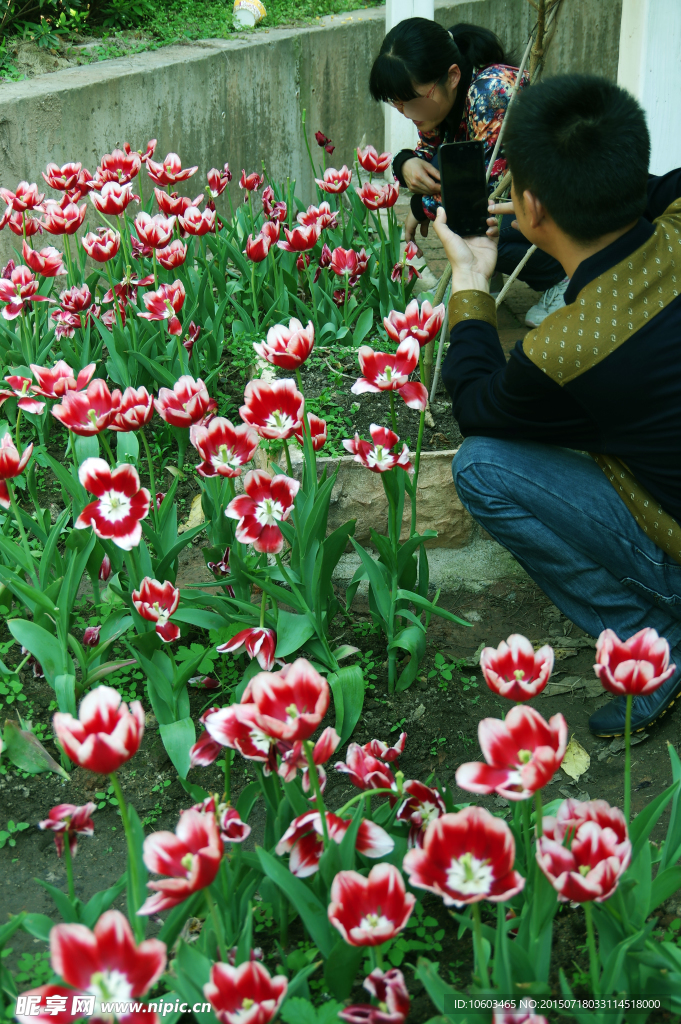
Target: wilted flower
251, 182
91, 636
68, 821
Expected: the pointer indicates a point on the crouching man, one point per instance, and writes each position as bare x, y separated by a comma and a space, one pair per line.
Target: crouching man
572, 451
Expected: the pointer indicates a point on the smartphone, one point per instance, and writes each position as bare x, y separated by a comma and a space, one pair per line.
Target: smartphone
463, 187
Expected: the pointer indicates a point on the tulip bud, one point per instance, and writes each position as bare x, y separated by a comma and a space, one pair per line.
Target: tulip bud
7, 271
105, 569
205, 682
91, 636
160, 495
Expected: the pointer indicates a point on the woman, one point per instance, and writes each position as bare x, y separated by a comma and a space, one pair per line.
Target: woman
455, 86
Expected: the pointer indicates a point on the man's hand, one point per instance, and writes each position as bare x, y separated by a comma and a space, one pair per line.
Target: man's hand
501, 209
472, 259
410, 226
421, 177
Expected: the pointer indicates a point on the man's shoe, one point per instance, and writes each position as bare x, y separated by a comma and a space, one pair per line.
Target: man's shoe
549, 302
610, 719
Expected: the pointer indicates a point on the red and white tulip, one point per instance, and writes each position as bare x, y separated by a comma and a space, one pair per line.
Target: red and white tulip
381, 750
384, 371
335, 181
273, 408
20, 387
186, 403
421, 806
190, 857
120, 506
287, 346
63, 178
300, 238
156, 602
424, 323
86, 412
375, 163
392, 1000
224, 448
321, 216
370, 911
365, 771
251, 182
290, 703
170, 171
18, 290
114, 198
46, 262
154, 231
11, 462
134, 408
25, 198
379, 457
302, 840
318, 431
218, 180
636, 666
246, 994
63, 218
257, 641
101, 245
165, 304
68, 821
466, 857
266, 502
523, 753
106, 733
584, 850
378, 197
515, 670
173, 255
195, 222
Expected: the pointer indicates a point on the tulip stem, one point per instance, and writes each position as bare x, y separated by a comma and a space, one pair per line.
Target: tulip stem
17, 432
376, 957
289, 465
228, 775
133, 881
68, 864
69, 262
627, 760
153, 252
217, 924
360, 796
22, 532
107, 448
152, 480
591, 943
393, 417
314, 780
109, 274
527, 833
263, 609
539, 821
478, 946
255, 294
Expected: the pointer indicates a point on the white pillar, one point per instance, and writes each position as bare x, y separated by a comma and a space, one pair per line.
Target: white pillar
400, 133
650, 68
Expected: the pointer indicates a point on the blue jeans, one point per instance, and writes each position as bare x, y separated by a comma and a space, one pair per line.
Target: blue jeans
557, 513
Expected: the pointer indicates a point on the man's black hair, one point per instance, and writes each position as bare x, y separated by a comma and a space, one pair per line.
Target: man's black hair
580, 144
419, 51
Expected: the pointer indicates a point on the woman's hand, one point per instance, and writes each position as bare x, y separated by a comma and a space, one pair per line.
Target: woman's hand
410, 226
472, 259
420, 176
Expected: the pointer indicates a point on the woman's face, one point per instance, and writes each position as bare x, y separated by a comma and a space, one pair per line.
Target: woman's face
432, 103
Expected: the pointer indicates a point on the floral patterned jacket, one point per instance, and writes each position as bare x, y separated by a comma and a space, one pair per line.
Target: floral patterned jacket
484, 109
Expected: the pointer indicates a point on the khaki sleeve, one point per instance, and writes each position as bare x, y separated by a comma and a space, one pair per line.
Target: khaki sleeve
472, 305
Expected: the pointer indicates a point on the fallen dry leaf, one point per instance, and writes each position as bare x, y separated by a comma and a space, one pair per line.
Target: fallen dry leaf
576, 760
195, 517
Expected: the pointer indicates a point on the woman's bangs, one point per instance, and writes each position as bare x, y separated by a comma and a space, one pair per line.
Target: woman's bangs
390, 80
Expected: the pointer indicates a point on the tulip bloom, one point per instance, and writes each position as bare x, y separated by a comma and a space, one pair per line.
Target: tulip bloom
194, 222
155, 231
17, 291
134, 408
267, 501
251, 182
170, 171
378, 197
321, 216
11, 463
391, 995
294, 759
113, 199
63, 220
274, 409
636, 666
218, 180
63, 178
164, 304
317, 431
287, 347
370, 911
371, 161
246, 994
102, 245
381, 750
386, 372
424, 324
422, 805
237, 727
104, 964
302, 840
120, 506
46, 262
25, 198
378, 457
465, 858
300, 239
190, 856
106, 734
257, 247
86, 412
257, 641
125, 165
515, 670
223, 447
67, 820
206, 750
20, 387
276, 211
187, 402
173, 205
522, 753
335, 181
584, 850
365, 771
156, 602
344, 262
76, 300
173, 255
290, 703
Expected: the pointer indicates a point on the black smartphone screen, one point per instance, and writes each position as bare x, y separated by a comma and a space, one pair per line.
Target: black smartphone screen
463, 186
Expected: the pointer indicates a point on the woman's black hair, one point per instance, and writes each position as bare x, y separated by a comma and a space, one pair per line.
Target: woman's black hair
421, 51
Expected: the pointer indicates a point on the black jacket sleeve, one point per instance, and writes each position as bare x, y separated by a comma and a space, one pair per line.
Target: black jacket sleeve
493, 398
663, 190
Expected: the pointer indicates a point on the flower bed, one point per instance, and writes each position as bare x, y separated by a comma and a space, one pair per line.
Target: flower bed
130, 349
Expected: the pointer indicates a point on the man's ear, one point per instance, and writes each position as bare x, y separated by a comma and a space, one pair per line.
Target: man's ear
454, 76
534, 209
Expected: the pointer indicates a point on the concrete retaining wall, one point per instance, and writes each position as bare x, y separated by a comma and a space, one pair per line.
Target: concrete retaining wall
241, 99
